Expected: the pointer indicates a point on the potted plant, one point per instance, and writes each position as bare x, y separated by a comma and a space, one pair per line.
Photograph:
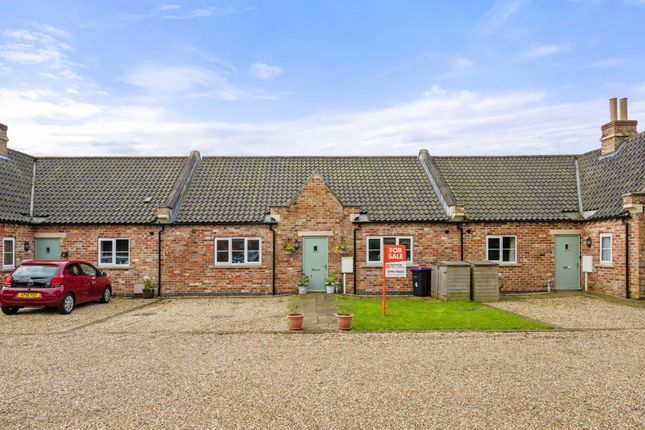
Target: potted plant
344, 315
303, 283
330, 283
148, 289
342, 248
294, 317
289, 248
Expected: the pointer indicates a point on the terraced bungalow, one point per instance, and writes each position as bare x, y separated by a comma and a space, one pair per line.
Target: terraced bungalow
252, 225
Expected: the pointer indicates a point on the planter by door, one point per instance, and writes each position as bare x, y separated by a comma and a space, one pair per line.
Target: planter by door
314, 261
295, 321
344, 321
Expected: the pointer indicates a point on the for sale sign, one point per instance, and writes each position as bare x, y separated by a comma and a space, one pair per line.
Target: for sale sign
394, 260
393, 266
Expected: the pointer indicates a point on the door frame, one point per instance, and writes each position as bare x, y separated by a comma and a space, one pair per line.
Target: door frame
326, 238
555, 262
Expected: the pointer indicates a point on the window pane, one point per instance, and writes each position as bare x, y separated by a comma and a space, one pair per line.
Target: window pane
253, 248
408, 247
508, 255
88, 270
389, 241
8, 260
374, 249
8, 255
106, 252
493, 255
222, 251
493, 243
237, 246
606, 242
8, 246
508, 242
606, 255
122, 251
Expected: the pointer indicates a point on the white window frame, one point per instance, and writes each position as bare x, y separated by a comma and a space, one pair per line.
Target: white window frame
611, 248
380, 260
13, 256
230, 263
501, 248
113, 263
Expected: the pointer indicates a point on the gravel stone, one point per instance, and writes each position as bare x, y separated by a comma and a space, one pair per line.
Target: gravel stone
132, 372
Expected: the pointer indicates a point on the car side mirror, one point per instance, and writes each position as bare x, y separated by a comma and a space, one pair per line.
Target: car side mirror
102, 274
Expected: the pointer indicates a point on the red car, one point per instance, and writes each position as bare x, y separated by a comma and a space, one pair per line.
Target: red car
54, 284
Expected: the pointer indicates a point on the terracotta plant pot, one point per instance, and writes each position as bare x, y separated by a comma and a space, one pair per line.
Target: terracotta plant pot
344, 321
148, 294
295, 321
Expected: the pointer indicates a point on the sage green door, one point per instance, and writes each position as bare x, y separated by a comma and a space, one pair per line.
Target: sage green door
47, 249
314, 261
567, 262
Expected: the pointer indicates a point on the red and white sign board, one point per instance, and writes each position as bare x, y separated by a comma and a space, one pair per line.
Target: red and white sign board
393, 266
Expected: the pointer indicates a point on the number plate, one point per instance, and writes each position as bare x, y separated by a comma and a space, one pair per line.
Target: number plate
28, 295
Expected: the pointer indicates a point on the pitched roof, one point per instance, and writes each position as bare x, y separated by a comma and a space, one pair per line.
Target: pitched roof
604, 179
16, 173
242, 189
513, 188
103, 189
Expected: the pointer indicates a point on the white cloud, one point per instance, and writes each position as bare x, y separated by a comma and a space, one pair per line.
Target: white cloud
501, 11
191, 81
264, 71
42, 122
542, 50
463, 63
608, 63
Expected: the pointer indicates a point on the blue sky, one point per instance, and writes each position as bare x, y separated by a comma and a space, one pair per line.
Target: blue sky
316, 77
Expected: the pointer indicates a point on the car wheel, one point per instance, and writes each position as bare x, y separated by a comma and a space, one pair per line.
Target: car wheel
10, 310
107, 295
68, 304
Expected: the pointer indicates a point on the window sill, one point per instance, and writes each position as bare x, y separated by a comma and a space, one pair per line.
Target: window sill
8, 268
607, 265
113, 267
239, 265
507, 264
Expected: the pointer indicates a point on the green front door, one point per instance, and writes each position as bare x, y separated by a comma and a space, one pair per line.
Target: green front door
47, 249
314, 261
567, 262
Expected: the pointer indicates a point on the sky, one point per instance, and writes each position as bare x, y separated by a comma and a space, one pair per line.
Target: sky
316, 77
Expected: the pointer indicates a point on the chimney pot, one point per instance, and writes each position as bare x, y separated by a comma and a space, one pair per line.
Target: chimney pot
623, 109
613, 109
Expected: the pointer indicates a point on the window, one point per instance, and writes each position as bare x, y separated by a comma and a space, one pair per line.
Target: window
8, 253
605, 249
501, 249
238, 250
114, 252
375, 245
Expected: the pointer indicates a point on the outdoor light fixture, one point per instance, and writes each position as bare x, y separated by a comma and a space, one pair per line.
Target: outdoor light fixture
588, 242
296, 245
26, 246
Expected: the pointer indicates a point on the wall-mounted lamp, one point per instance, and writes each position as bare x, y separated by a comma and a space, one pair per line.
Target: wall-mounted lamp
65, 254
26, 246
296, 245
588, 242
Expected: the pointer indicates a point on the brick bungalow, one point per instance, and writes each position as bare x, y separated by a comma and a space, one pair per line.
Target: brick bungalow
219, 225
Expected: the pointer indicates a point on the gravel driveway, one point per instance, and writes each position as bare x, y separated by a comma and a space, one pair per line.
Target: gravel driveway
578, 312
104, 376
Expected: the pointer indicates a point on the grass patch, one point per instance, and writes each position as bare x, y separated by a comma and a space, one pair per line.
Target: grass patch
424, 314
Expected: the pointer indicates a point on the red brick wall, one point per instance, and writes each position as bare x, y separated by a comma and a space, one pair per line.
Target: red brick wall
609, 279
315, 209
81, 242
188, 255
535, 252
21, 233
430, 243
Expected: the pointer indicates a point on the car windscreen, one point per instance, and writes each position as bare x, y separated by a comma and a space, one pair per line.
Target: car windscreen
34, 271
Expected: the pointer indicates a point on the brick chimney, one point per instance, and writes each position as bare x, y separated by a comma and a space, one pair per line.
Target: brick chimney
616, 130
3, 141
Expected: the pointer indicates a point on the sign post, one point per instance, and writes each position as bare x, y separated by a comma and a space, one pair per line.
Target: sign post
393, 267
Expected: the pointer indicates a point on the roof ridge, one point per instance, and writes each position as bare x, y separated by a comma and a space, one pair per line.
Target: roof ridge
309, 156
510, 156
